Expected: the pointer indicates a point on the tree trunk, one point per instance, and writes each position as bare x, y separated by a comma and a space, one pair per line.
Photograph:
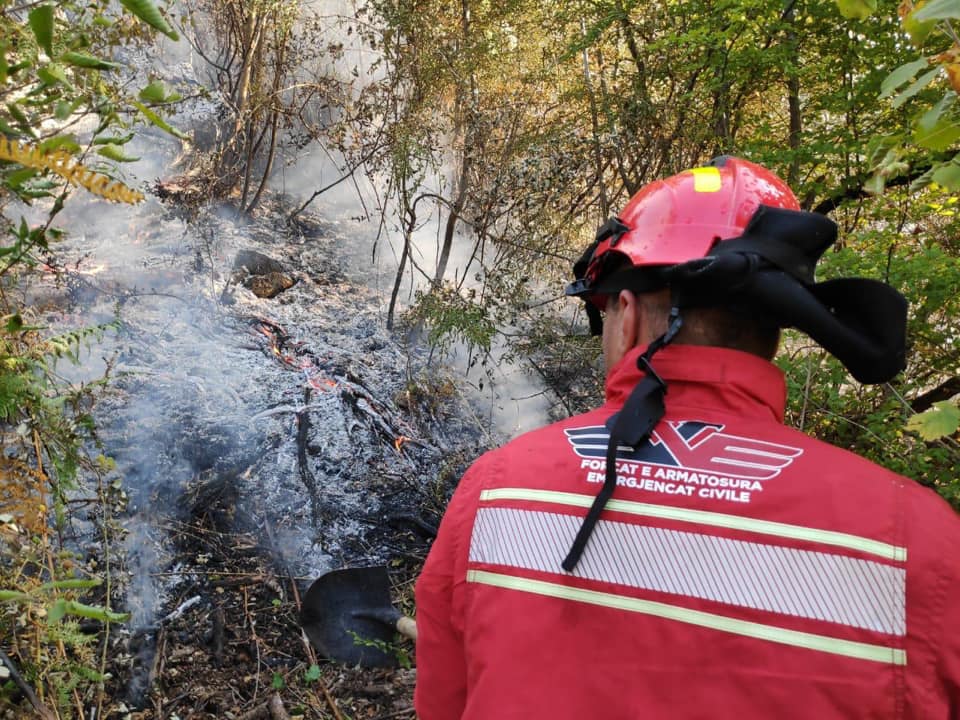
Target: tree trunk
595, 121
465, 102
793, 99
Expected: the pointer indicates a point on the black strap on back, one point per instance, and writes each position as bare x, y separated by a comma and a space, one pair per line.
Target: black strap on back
631, 426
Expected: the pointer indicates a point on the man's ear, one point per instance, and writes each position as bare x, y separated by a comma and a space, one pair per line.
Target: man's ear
628, 307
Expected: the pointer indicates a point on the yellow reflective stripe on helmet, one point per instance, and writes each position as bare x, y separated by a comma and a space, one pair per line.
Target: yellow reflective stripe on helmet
703, 517
795, 638
706, 179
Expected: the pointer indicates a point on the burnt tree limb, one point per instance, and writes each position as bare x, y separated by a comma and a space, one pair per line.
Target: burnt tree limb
855, 190
42, 710
306, 476
943, 391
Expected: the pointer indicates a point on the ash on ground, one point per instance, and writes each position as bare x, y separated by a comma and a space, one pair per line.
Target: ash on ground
261, 441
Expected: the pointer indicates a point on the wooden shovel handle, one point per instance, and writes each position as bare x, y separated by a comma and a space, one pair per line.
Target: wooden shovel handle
407, 627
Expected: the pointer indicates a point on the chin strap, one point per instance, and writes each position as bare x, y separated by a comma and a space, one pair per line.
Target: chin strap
631, 426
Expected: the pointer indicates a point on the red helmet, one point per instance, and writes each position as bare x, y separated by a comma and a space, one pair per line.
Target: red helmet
682, 218
732, 234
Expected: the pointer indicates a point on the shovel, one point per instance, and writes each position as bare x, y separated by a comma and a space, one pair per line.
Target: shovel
347, 615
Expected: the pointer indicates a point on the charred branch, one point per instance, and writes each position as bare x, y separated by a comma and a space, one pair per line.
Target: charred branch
944, 391
271, 710
219, 634
303, 466
42, 710
855, 190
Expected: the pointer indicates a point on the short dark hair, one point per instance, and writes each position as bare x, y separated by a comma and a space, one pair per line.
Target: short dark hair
734, 327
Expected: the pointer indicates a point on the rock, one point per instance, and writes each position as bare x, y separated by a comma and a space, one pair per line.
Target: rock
269, 285
263, 275
256, 263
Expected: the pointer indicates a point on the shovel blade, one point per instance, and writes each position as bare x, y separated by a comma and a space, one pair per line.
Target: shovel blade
346, 615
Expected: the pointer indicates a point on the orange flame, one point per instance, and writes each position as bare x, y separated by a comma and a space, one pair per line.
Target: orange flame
321, 383
400, 442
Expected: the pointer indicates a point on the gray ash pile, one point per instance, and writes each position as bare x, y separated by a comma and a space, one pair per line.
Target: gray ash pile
291, 427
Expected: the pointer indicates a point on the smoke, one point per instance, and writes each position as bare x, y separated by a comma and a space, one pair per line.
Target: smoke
509, 398
274, 417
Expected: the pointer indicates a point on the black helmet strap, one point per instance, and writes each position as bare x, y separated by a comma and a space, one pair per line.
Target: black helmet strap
631, 426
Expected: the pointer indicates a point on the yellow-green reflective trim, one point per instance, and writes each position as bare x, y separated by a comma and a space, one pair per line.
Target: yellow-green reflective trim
703, 517
706, 179
810, 641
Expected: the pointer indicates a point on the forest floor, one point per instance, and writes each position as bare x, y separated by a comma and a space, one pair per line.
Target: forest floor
240, 654
228, 641
228, 553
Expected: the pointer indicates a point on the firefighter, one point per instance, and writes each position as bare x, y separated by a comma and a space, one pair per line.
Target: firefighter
679, 552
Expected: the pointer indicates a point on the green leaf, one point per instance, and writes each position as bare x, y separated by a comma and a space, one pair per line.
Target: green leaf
155, 92
942, 420
15, 180
147, 11
14, 323
856, 9
17, 67
935, 132
924, 180
875, 184
31, 194
114, 140
899, 76
53, 74
23, 122
158, 92
41, 22
917, 29
947, 175
91, 674
71, 584
159, 121
95, 612
116, 154
63, 110
277, 683
57, 611
60, 142
919, 84
89, 61
3, 64
7, 595
7, 130
312, 674
938, 10
939, 137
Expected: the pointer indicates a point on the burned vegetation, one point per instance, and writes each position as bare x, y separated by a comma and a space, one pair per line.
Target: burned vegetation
259, 442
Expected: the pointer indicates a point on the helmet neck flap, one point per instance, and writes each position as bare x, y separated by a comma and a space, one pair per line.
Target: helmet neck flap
770, 265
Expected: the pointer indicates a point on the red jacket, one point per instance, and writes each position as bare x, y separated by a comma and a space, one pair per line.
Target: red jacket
742, 570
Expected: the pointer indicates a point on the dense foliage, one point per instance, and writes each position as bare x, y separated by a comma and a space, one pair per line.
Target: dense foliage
523, 125
65, 119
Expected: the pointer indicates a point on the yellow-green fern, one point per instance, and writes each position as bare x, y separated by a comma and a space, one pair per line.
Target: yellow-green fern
67, 167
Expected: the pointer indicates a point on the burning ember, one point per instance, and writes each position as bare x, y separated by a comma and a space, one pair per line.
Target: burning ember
320, 383
400, 442
277, 338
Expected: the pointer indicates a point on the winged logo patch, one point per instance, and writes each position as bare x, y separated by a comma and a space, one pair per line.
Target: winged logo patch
699, 446
686, 458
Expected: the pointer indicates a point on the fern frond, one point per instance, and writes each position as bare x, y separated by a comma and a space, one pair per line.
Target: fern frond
67, 167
